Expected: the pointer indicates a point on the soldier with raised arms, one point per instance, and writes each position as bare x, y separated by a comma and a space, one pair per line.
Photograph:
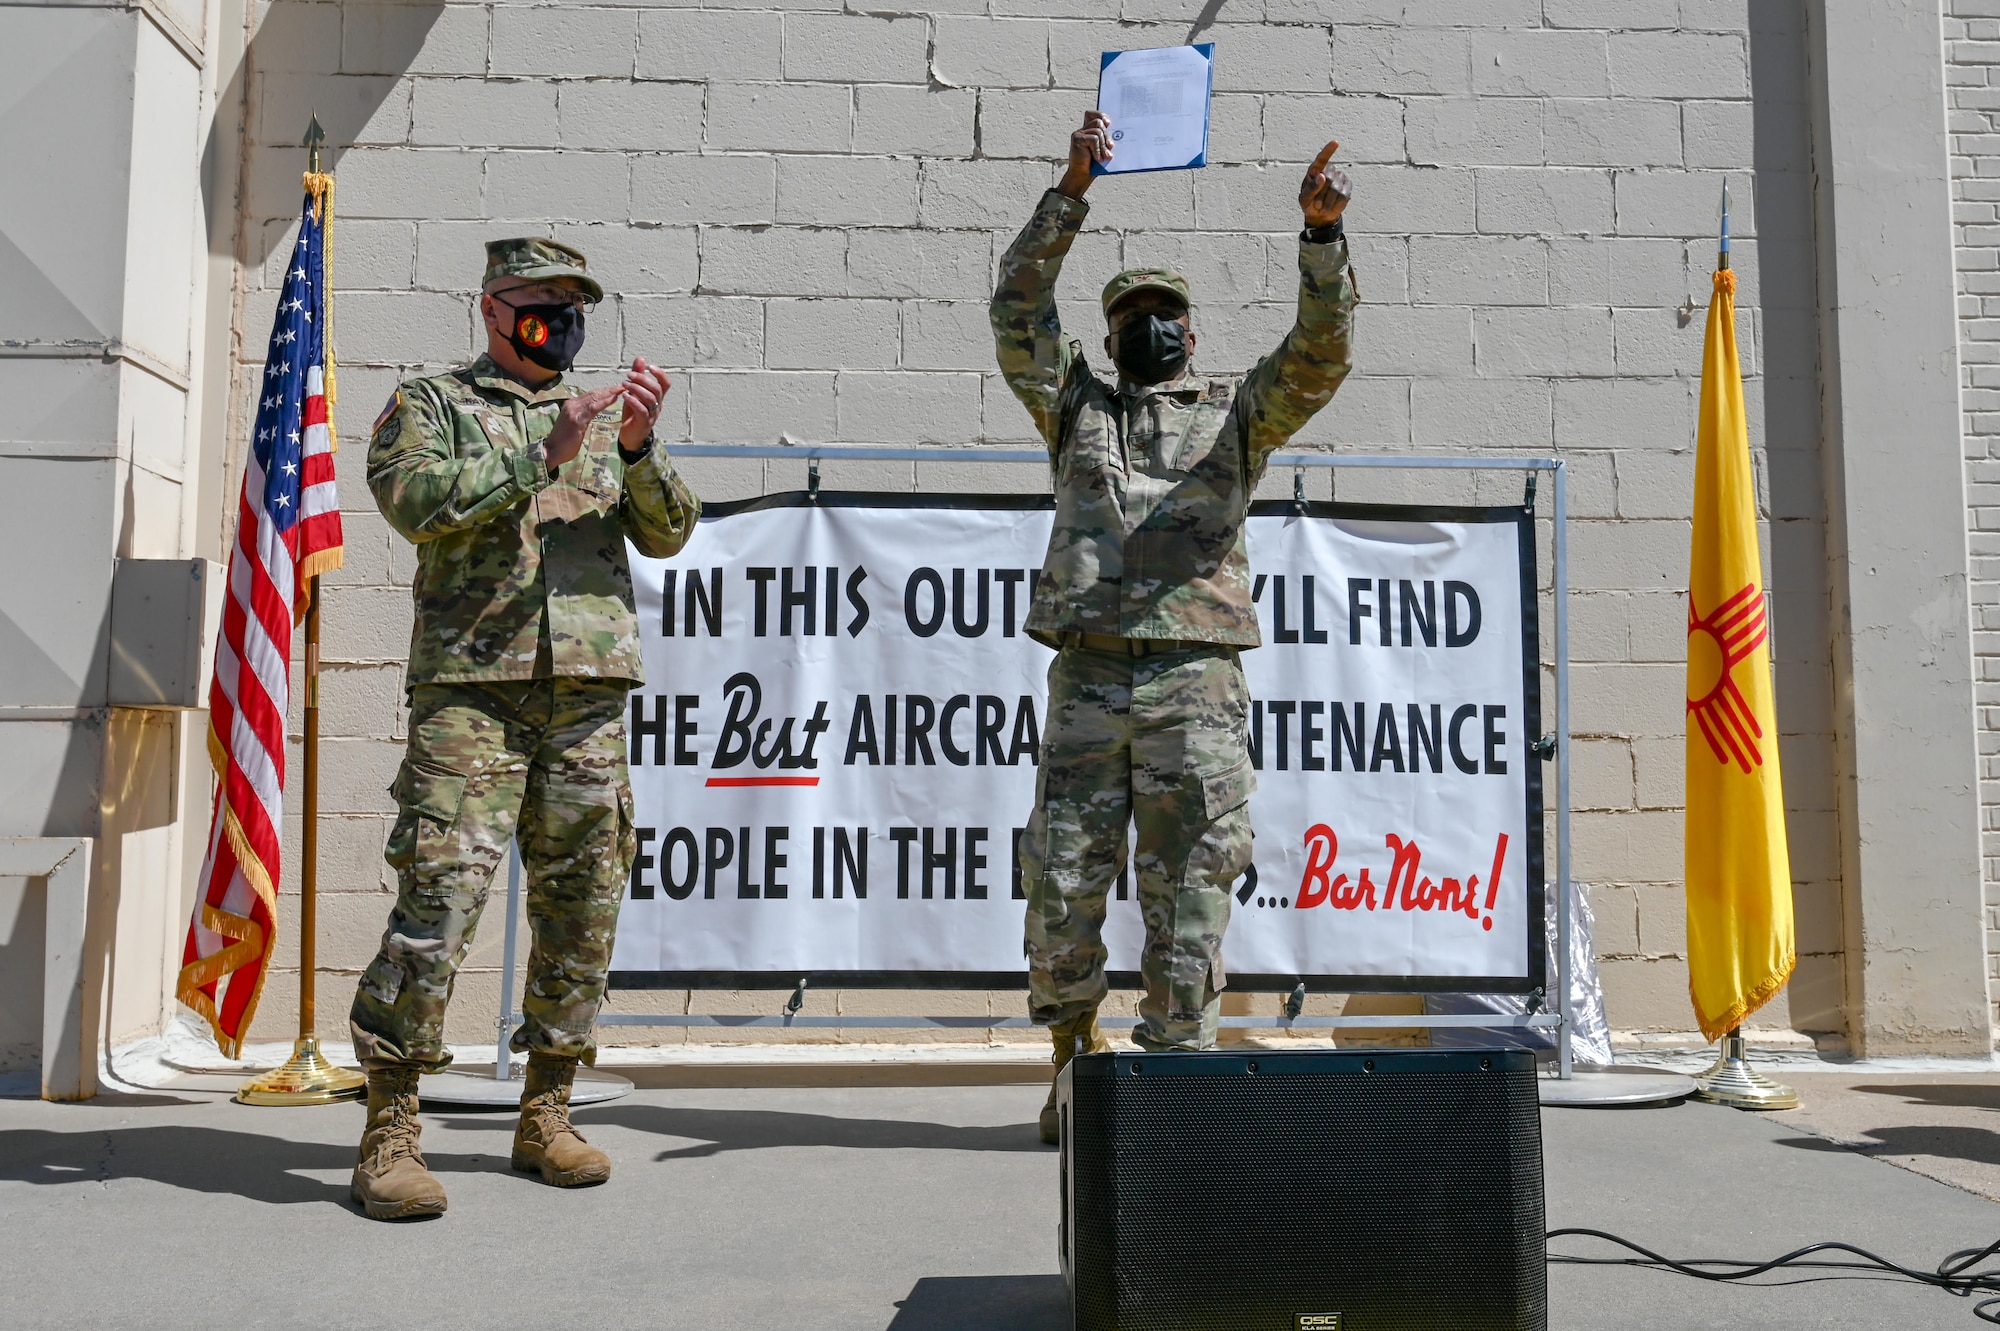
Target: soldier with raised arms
519, 491
1145, 594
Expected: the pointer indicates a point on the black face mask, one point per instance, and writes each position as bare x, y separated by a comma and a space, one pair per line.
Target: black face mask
548, 335
1152, 350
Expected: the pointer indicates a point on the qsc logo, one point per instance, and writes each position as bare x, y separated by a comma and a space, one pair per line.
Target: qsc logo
1316, 1322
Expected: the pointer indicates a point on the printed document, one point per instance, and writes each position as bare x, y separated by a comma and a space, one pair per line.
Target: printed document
1158, 103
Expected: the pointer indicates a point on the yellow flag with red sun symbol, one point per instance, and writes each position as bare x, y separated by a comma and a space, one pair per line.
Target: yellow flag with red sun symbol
1739, 877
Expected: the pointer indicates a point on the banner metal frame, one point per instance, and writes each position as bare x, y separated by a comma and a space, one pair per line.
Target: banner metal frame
1561, 1020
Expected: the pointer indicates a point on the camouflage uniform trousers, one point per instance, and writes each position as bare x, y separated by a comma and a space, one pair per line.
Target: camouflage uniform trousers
545, 758
1160, 742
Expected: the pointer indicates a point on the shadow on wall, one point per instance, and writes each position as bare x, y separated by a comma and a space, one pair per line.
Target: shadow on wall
1788, 349
395, 34
293, 43
1788, 306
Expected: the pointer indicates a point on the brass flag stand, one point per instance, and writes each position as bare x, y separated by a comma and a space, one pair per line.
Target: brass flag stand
307, 1078
1732, 1081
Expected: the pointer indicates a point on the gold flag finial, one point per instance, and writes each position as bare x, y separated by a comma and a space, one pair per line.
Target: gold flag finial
319, 185
312, 142
1722, 256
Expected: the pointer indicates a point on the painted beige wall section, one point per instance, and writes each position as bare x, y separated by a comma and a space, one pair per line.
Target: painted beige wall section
99, 144
1896, 553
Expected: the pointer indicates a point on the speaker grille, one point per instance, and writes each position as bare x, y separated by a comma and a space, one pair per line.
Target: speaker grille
1402, 1190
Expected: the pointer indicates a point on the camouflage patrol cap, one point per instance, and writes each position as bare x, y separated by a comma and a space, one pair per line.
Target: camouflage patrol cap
538, 260
1134, 280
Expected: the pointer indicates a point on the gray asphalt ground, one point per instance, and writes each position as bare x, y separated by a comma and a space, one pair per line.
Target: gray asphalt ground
906, 1208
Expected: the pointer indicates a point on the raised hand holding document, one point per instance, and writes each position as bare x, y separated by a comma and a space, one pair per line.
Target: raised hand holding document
1157, 100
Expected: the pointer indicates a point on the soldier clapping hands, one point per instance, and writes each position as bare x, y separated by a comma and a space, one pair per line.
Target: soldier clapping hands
520, 495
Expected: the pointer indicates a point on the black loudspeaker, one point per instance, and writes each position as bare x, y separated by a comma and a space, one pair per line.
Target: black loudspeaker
1390, 1190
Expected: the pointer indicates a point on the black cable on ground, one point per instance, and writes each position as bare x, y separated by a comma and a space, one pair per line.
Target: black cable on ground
1955, 1274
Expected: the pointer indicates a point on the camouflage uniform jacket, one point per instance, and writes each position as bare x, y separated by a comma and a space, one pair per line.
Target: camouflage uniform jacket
520, 574
1153, 483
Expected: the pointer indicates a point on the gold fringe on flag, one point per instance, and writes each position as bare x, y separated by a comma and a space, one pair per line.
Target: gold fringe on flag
319, 184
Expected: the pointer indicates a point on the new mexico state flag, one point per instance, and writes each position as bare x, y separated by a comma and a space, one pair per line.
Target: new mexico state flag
1739, 877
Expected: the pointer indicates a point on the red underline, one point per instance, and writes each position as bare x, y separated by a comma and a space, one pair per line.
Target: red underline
763, 781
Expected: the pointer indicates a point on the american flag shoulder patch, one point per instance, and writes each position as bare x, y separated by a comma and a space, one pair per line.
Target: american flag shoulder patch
395, 401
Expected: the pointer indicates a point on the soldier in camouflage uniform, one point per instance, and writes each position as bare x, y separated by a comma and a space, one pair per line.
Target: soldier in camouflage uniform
1145, 594
519, 492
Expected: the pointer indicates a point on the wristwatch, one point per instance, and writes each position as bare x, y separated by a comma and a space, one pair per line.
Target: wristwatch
1324, 235
645, 447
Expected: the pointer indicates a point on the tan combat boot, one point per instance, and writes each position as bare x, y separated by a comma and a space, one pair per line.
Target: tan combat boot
1066, 1034
390, 1181
545, 1141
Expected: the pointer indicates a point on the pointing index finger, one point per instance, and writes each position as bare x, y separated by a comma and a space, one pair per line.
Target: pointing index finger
1325, 156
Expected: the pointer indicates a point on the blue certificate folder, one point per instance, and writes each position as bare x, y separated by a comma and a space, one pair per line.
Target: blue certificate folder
1158, 100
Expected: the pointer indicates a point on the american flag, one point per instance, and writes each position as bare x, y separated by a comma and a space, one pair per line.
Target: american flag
287, 531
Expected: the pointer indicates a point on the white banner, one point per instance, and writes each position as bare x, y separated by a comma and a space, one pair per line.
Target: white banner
836, 749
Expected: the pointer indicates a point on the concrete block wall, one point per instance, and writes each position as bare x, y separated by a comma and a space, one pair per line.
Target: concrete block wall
799, 207
1972, 91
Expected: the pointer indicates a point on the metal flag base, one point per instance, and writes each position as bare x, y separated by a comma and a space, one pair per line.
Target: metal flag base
474, 1088
1614, 1087
306, 1078
1733, 1082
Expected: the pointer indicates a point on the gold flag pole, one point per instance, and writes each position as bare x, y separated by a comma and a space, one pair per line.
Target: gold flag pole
307, 1078
1731, 1080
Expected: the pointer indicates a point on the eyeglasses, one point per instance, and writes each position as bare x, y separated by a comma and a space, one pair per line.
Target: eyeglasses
546, 295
